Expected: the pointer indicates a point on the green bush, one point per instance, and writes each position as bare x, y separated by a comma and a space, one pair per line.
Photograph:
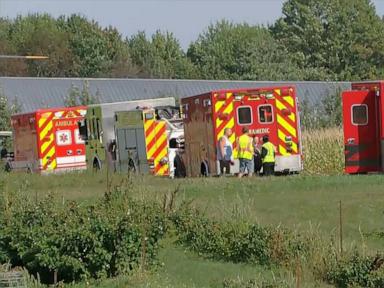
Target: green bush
115, 235
357, 270
237, 241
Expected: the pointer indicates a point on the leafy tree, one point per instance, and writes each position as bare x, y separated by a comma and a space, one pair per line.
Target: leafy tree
88, 44
84, 96
160, 56
121, 64
9, 67
323, 113
73, 96
6, 111
76, 47
332, 109
308, 114
335, 39
39, 34
241, 52
97, 52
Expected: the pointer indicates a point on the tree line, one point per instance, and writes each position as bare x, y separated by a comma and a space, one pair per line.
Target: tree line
312, 40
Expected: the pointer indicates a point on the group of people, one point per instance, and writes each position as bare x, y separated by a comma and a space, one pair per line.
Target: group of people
252, 154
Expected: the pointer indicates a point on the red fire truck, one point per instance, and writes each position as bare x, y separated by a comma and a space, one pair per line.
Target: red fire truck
48, 140
363, 119
269, 111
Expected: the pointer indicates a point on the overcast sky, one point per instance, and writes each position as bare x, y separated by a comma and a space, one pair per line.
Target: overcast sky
185, 18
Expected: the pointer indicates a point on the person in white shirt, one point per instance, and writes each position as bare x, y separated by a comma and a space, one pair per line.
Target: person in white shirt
224, 152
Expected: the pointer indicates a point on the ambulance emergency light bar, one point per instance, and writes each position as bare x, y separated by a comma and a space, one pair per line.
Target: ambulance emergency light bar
254, 95
268, 94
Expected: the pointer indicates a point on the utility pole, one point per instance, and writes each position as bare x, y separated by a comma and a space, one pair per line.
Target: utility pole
22, 57
28, 57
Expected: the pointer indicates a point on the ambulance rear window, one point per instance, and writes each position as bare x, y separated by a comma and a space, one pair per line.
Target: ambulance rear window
359, 115
265, 114
244, 115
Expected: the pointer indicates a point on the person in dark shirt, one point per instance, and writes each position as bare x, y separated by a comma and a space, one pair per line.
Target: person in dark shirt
268, 151
257, 155
178, 162
3, 153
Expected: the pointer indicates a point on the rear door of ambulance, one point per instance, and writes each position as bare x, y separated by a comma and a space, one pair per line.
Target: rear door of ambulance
361, 131
287, 130
272, 112
130, 139
70, 148
255, 110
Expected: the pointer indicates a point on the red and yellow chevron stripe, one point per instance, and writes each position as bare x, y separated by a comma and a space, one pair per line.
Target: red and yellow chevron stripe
157, 145
46, 138
225, 116
286, 124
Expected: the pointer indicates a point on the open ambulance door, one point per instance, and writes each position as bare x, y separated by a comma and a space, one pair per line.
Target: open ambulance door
361, 132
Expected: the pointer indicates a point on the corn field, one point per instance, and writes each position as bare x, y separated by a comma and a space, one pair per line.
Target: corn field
323, 151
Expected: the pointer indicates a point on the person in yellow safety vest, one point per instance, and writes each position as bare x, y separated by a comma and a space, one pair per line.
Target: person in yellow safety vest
245, 152
268, 151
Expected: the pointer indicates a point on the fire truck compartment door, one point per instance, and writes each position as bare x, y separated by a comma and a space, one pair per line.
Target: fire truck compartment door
361, 133
131, 147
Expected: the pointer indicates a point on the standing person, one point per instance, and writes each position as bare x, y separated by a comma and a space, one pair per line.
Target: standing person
224, 152
245, 152
178, 163
268, 156
112, 154
258, 164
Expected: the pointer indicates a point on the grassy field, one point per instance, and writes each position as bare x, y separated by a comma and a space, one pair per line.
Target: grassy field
302, 203
294, 201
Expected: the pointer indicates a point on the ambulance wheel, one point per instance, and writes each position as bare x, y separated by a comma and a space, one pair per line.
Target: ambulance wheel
131, 166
